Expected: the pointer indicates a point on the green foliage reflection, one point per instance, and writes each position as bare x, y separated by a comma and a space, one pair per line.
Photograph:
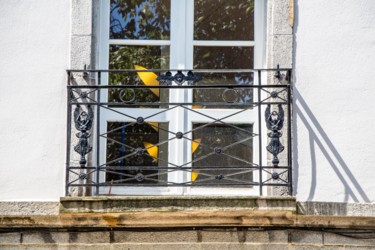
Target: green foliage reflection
140, 19
126, 57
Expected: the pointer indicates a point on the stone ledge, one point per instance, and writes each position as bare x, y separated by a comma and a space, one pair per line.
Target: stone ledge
185, 219
174, 203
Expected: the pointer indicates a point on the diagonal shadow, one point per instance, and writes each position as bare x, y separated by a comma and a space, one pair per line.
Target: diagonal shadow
302, 111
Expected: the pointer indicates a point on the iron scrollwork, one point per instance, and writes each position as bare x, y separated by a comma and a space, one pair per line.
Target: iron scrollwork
179, 78
83, 122
275, 122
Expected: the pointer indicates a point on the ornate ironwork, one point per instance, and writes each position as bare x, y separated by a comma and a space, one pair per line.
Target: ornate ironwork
179, 135
139, 177
179, 78
230, 95
83, 122
275, 122
139, 141
127, 95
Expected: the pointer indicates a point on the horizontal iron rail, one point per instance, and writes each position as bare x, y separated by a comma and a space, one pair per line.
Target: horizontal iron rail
114, 104
177, 185
175, 168
183, 70
177, 86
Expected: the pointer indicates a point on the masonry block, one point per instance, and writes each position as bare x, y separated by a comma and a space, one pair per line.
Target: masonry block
66, 237
310, 237
10, 238
331, 238
156, 237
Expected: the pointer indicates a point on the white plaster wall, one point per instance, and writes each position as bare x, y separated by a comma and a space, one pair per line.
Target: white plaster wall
334, 64
34, 54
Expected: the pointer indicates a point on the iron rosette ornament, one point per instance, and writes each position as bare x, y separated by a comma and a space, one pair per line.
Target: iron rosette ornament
179, 78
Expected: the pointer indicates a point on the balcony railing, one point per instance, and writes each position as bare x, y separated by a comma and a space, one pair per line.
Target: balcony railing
204, 129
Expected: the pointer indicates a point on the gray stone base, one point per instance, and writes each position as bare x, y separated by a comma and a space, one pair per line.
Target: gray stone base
29, 208
336, 208
211, 238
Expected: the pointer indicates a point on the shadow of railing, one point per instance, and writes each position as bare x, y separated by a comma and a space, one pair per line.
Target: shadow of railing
317, 136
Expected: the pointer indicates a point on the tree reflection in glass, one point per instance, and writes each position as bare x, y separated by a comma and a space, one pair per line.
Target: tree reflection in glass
224, 19
235, 158
140, 19
224, 58
132, 149
127, 57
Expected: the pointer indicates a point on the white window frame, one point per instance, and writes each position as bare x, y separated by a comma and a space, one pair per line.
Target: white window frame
181, 45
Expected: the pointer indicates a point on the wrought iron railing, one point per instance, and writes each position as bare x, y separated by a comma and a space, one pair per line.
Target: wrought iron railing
134, 129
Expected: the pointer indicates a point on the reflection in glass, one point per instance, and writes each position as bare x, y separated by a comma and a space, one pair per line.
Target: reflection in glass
224, 58
224, 20
132, 149
136, 57
140, 19
235, 159
226, 97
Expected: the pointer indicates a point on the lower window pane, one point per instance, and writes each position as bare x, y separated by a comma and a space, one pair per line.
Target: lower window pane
135, 152
222, 154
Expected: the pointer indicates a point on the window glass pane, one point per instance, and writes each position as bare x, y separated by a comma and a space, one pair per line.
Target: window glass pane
140, 19
234, 162
224, 97
135, 152
131, 57
223, 58
224, 20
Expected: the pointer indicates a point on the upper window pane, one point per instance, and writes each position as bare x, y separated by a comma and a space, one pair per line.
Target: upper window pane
224, 20
140, 19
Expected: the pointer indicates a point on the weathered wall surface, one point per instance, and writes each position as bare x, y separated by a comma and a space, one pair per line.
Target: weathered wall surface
34, 56
334, 67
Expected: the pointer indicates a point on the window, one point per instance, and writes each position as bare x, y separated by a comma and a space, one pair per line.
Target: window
178, 34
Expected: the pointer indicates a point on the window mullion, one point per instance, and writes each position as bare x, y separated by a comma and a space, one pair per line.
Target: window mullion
177, 61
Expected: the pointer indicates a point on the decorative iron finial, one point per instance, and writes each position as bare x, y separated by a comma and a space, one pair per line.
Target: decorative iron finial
275, 122
83, 122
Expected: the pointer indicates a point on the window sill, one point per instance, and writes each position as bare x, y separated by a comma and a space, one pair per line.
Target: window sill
116, 204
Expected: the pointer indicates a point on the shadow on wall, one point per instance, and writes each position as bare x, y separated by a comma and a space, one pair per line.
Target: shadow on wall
318, 138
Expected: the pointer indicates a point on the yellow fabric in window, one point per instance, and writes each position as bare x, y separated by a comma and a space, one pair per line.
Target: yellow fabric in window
148, 78
152, 150
194, 147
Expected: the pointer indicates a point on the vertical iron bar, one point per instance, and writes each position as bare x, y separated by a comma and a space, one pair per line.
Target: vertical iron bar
68, 134
290, 175
260, 134
98, 134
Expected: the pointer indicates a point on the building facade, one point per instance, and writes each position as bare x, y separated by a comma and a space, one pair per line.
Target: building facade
282, 123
